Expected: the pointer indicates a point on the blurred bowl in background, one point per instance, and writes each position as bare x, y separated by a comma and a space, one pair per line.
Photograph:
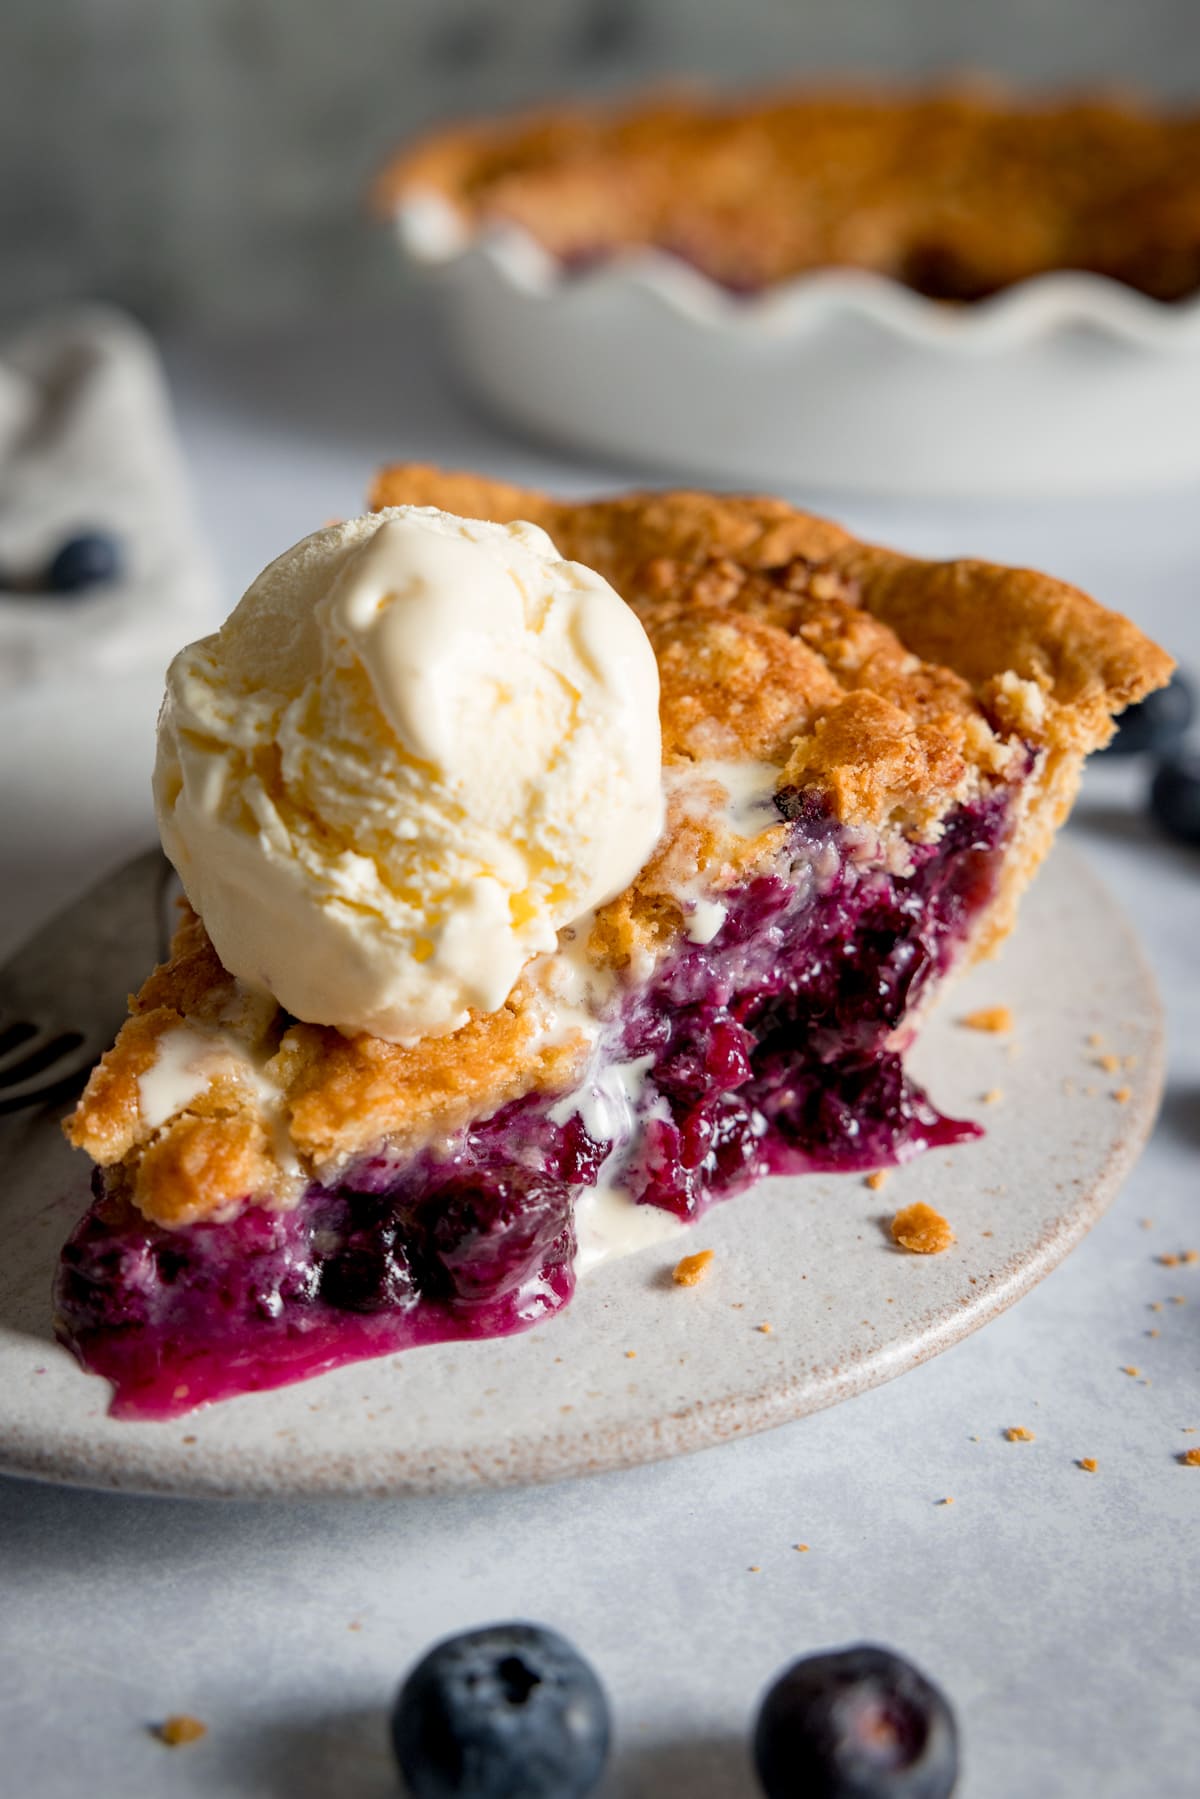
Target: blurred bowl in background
1063, 383
955, 288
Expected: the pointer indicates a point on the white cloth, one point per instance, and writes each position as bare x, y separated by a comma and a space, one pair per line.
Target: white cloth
87, 443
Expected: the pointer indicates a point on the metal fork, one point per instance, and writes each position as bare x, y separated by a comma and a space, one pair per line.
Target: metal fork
63, 994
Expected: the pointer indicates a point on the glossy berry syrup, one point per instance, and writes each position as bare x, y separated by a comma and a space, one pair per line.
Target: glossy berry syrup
773, 1049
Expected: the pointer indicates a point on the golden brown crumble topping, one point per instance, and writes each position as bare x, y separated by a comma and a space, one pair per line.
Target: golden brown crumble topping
181, 1729
1088, 1463
921, 1230
958, 192
889, 689
989, 1018
689, 1271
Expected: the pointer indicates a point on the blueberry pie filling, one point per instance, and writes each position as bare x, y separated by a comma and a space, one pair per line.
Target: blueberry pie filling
304, 1200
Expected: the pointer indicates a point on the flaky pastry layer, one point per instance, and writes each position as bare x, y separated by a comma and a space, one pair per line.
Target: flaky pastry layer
957, 192
891, 689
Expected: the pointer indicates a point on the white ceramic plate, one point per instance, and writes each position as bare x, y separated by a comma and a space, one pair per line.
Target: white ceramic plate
638, 1368
1068, 383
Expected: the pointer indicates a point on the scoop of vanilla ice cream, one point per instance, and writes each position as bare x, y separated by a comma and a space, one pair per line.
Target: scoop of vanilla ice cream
418, 747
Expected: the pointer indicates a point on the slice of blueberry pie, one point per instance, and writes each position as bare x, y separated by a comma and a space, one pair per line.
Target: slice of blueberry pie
554, 869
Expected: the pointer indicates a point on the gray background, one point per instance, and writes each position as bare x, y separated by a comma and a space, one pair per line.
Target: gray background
207, 158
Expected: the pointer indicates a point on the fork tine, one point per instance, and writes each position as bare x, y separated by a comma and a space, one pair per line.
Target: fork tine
39, 1059
12, 1036
63, 992
55, 1070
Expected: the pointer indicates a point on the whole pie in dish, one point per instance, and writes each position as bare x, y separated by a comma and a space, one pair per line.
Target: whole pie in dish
957, 194
864, 758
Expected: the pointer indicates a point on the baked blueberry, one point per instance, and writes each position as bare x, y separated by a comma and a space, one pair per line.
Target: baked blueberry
89, 559
857, 1723
511, 1711
1175, 796
1158, 722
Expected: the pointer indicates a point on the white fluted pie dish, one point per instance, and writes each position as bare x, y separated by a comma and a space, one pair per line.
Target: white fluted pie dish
1067, 383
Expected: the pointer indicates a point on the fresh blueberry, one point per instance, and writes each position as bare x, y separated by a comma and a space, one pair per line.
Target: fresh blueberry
1175, 796
507, 1712
856, 1723
1158, 722
90, 559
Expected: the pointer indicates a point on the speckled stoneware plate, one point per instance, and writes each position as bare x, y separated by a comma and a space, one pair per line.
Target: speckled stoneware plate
638, 1368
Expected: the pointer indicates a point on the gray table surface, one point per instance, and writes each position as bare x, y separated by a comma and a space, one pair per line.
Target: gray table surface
1057, 1608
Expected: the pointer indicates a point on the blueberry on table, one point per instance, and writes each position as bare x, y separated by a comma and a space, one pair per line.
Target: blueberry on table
507, 1712
90, 559
1175, 796
1156, 723
856, 1723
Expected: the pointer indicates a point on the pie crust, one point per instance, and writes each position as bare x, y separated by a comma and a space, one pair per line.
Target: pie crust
957, 193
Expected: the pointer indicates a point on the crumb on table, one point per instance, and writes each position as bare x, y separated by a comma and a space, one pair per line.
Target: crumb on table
1167, 1260
1122, 1095
1109, 1063
992, 1097
989, 1018
179, 1729
878, 1179
1016, 1433
689, 1271
1190, 1458
1131, 1370
1087, 1463
922, 1230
